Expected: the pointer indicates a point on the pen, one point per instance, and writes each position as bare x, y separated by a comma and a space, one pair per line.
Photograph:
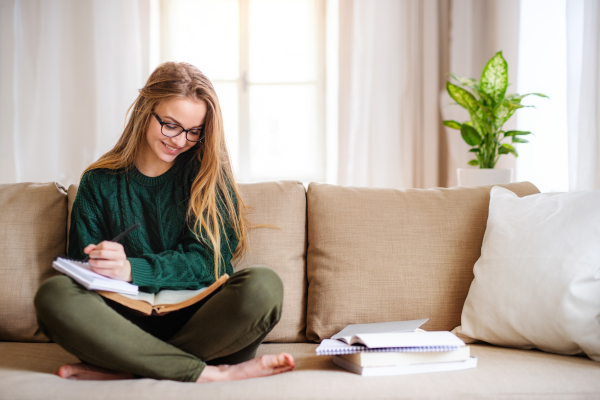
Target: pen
118, 237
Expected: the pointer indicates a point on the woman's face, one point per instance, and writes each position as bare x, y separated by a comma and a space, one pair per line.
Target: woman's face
161, 150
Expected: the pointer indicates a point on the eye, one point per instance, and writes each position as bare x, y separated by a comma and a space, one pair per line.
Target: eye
195, 132
171, 127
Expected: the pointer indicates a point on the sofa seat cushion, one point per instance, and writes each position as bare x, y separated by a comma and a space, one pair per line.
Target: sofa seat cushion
25, 373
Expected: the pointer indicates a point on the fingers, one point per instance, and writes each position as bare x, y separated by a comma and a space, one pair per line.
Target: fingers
111, 269
107, 251
108, 245
104, 264
105, 245
106, 268
107, 254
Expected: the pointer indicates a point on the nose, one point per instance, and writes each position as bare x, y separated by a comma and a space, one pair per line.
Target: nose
180, 140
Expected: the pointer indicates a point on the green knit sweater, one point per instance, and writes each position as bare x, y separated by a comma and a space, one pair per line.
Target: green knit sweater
163, 251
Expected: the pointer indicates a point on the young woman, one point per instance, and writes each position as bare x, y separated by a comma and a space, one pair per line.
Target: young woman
170, 172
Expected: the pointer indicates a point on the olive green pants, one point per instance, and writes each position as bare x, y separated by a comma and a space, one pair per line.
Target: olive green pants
225, 328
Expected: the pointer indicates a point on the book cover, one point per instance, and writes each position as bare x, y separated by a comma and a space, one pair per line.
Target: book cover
372, 359
405, 369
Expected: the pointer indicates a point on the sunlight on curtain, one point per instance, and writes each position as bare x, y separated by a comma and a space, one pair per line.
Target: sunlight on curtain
69, 70
543, 69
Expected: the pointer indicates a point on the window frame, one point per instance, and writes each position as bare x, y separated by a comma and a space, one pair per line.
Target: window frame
243, 170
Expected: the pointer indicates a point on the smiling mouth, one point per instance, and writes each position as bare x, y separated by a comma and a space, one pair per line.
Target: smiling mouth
171, 149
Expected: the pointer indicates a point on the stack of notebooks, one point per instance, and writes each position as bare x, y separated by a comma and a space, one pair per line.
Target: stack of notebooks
396, 348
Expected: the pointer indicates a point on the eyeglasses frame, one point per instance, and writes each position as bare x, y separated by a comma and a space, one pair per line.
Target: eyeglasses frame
162, 123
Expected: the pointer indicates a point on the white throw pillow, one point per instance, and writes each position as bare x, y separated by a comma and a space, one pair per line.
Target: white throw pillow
537, 282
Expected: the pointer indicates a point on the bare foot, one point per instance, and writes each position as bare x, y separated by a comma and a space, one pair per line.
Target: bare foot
88, 372
255, 368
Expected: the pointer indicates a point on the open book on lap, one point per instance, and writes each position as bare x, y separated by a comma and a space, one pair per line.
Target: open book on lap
129, 295
164, 301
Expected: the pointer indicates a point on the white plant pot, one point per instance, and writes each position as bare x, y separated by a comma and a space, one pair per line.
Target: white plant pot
483, 176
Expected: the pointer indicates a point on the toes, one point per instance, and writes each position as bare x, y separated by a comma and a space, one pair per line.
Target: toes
290, 360
285, 359
65, 371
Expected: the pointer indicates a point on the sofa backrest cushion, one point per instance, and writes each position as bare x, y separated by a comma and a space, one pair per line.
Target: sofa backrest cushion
378, 255
281, 245
32, 233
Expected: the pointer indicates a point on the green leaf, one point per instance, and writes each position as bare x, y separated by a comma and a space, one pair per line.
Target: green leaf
473, 162
468, 82
518, 97
452, 124
462, 97
474, 150
507, 148
516, 133
485, 109
470, 135
505, 111
494, 78
519, 140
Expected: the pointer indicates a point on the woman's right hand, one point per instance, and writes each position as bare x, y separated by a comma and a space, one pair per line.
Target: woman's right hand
109, 259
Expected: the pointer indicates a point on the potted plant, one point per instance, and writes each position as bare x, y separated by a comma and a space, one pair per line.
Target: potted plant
489, 107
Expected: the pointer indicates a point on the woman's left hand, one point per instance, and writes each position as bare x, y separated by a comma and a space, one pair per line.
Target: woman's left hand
109, 259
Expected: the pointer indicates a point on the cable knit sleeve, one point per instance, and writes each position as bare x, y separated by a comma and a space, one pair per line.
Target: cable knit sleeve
87, 219
189, 266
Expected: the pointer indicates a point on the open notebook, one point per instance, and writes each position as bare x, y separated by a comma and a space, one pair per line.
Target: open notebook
400, 336
129, 295
82, 273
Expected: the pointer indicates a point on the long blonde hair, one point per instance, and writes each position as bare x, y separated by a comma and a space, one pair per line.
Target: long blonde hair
170, 81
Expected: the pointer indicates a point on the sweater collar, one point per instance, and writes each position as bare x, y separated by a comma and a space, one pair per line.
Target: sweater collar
153, 180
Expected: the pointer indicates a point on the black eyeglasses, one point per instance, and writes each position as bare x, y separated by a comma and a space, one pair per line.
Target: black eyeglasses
171, 130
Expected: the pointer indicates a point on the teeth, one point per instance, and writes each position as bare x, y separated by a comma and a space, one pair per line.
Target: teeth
170, 148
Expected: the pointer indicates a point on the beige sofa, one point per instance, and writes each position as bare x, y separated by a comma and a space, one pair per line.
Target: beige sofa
346, 255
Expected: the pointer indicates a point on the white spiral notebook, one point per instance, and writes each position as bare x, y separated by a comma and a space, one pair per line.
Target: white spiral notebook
329, 347
401, 336
82, 273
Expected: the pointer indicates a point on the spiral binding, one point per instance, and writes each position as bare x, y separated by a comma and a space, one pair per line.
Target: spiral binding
361, 349
70, 259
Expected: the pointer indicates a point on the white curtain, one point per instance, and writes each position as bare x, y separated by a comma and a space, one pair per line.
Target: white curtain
389, 83
394, 60
478, 29
68, 72
583, 93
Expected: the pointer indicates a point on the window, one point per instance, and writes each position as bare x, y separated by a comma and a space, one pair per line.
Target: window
266, 60
543, 69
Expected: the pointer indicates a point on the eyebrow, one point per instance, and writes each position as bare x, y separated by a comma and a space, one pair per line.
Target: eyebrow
179, 123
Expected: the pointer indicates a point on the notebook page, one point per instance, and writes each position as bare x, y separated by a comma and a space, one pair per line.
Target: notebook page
176, 296
410, 339
348, 332
149, 298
